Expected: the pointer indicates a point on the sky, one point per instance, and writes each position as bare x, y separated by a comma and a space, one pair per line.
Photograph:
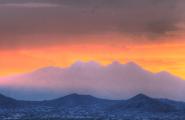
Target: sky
41, 33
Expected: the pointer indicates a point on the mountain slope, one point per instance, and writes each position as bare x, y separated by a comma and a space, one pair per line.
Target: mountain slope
144, 103
6, 102
76, 100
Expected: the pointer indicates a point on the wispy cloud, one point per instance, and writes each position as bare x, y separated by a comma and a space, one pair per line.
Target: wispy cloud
29, 5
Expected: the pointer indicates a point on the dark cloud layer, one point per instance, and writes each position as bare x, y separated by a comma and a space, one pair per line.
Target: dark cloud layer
81, 17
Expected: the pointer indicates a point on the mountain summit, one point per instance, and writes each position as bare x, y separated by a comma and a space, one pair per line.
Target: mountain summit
143, 103
73, 100
140, 97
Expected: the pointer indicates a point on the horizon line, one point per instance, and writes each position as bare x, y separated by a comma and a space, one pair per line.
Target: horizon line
78, 94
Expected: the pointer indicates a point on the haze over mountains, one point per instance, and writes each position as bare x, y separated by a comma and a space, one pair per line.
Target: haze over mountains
114, 81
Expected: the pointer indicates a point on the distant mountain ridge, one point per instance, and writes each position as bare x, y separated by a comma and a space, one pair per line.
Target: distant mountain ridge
114, 81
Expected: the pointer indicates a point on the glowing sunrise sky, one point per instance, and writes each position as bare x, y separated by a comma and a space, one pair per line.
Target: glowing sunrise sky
60, 32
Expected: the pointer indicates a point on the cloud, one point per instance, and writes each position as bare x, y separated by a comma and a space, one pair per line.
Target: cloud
29, 5
60, 18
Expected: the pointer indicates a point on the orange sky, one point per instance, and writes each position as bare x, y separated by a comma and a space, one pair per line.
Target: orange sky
57, 33
152, 56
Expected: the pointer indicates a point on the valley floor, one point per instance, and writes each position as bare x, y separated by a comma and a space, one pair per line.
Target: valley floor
121, 116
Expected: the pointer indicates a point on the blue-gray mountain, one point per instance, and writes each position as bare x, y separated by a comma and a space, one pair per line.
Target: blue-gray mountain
75, 106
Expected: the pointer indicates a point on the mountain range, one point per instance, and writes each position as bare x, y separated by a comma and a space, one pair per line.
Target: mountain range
139, 102
114, 81
74, 105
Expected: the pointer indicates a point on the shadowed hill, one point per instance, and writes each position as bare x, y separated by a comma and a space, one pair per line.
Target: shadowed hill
143, 103
7, 102
74, 100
